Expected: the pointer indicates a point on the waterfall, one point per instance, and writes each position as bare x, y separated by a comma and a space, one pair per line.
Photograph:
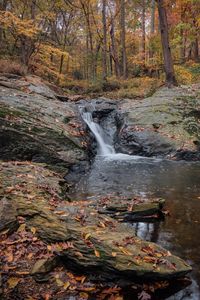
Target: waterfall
103, 147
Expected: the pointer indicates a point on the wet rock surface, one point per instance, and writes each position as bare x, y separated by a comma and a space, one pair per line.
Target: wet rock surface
165, 124
35, 126
78, 234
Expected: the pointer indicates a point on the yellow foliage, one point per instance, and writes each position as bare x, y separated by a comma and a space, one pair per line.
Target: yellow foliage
183, 75
18, 26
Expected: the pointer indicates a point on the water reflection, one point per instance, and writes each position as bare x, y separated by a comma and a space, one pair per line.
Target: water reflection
177, 182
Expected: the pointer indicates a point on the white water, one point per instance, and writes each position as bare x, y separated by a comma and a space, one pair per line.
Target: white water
103, 148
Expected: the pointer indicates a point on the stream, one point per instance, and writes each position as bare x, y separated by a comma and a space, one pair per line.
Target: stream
178, 182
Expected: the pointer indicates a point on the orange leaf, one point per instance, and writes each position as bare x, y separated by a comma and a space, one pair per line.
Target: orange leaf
97, 254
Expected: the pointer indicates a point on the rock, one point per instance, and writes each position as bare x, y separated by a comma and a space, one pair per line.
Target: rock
110, 249
41, 90
146, 142
83, 239
130, 210
42, 267
164, 124
62, 98
33, 127
8, 216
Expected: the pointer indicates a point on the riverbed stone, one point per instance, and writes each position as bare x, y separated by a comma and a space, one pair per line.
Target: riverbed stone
132, 209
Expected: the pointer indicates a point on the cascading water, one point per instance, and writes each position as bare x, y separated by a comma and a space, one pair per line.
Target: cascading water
104, 148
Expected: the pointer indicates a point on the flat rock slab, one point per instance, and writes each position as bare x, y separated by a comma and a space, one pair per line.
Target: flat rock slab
84, 239
131, 209
100, 244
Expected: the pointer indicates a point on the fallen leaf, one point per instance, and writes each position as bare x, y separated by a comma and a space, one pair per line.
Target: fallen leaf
144, 296
21, 227
87, 236
22, 273
66, 285
33, 230
10, 257
59, 282
125, 251
97, 254
13, 282
83, 295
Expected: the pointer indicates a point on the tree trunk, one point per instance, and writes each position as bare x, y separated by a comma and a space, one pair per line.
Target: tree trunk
61, 64
182, 46
104, 54
168, 63
33, 9
123, 40
143, 31
3, 6
153, 8
113, 48
196, 50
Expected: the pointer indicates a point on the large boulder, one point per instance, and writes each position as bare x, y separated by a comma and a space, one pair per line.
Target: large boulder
165, 124
35, 126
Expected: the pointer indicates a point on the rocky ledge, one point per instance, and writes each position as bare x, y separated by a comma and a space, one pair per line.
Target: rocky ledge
165, 124
74, 233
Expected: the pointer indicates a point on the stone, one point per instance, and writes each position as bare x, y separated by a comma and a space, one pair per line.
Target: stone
165, 124
127, 210
8, 216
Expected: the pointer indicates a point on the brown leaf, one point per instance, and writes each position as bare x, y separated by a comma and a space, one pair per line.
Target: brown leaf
10, 257
66, 285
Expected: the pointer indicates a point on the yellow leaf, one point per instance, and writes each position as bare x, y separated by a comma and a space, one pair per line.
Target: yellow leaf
84, 295
21, 227
97, 254
66, 285
114, 254
87, 236
59, 282
101, 224
33, 230
125, 251
13, 282
49, 247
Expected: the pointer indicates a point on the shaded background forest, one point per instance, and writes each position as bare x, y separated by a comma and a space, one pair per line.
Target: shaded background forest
79, 43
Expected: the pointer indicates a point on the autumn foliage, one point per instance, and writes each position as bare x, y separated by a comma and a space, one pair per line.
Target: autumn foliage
96, 40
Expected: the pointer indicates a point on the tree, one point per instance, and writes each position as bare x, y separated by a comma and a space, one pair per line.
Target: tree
104, 54
168, 62
123, 64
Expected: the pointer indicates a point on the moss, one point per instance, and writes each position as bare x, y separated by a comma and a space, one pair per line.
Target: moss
5, 111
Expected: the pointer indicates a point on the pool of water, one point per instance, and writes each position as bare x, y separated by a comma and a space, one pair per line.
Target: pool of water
177, 182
